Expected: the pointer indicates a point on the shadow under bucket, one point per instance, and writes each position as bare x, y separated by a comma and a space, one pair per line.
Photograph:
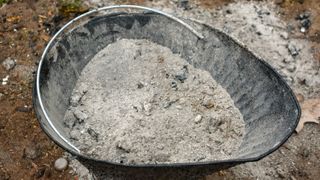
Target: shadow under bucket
268, 105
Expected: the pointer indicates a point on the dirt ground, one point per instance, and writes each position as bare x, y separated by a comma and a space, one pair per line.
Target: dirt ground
25, 151
26, 26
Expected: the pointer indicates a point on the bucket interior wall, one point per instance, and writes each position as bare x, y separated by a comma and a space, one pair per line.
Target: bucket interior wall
268, 109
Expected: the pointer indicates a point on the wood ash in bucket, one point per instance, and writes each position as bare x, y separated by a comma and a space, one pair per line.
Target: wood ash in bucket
136, 102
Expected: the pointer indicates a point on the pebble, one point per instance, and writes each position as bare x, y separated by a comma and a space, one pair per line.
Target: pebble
306, 23
60, 164
9, 63
182, 74
5, 80
304, 15
198, 118
292, 49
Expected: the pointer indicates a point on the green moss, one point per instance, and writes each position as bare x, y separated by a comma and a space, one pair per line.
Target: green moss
3, 2
67, 7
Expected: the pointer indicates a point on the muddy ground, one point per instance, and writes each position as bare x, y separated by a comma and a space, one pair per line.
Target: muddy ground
268, 28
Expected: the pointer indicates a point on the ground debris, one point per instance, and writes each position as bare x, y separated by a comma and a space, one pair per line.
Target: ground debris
31, 152
9, 63
310, 113
293, 50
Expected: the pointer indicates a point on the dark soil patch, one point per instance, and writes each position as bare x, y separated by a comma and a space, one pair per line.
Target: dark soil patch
25, 151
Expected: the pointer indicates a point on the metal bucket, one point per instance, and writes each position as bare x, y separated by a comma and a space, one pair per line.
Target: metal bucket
267, 103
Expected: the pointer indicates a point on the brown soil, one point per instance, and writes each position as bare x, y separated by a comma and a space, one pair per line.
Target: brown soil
25, 151
213, 3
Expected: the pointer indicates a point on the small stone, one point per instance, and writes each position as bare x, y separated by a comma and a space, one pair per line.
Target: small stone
303, 29
292, 49
198, 119
9, 63
306, 23
304, 15
228, 11
60, 164
5, 80
31, 152
81, 116
182, 74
